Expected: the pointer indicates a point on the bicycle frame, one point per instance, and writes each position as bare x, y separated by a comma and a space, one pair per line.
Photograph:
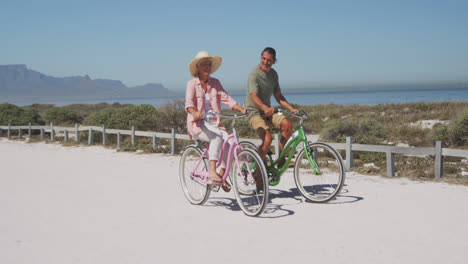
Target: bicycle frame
292, 145
234, 146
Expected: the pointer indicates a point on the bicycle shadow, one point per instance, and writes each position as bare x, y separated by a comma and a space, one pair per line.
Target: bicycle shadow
271, 210
281, 201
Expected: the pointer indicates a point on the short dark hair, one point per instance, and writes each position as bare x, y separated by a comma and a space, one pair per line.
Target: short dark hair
269, 50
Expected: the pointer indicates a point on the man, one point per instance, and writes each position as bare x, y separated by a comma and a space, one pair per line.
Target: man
262, 84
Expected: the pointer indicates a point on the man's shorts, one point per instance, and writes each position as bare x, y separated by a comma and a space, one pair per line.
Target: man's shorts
257, 122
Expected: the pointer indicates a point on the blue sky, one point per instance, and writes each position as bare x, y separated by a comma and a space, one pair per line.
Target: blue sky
318, 43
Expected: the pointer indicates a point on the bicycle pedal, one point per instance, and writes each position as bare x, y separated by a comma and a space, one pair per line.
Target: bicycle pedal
215, 187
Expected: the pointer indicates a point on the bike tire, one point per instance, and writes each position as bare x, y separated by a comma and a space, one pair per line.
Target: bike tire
251, 199
248, 144
325, 185
196, 192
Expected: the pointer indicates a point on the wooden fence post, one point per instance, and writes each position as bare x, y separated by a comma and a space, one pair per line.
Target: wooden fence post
9, 130
277, 145
155, 141
390, 163
173, 142
30, 131
77, 133
119, 140
42, 133
66, 136
52, 132
1, 132
104, 135
349, 153
20, 133
439, 160
133, 135
90, 137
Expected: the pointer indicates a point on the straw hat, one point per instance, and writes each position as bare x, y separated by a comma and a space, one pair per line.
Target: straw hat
215, 60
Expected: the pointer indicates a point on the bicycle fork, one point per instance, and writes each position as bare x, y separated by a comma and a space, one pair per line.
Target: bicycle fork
312, 158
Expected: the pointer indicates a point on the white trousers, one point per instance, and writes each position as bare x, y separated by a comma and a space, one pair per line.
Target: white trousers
216, 138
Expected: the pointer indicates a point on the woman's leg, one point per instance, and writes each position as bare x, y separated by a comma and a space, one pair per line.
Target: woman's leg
213, 153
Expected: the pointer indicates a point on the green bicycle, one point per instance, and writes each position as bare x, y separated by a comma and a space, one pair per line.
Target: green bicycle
318, 170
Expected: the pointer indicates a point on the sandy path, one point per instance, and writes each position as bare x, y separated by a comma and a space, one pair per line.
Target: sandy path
95, 205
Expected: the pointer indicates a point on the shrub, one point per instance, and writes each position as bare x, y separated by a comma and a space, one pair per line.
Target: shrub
338, 130
172, 115
15, 115
458, 132
439, 133
61, 115
143, 117
370, 132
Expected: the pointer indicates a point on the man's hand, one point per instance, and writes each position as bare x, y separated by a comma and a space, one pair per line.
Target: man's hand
293, 110
269, 111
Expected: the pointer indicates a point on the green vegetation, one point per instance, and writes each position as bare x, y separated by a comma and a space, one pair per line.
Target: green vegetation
381, 124
62, 115
387, 124
458, 132
15, 115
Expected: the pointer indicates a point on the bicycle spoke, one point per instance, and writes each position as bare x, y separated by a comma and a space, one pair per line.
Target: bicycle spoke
320, 177
194, 189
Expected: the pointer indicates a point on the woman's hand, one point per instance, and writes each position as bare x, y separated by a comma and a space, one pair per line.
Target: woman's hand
240, 109
197, 115
243, 110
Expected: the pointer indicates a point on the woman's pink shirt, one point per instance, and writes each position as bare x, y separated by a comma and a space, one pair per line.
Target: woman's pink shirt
195, 97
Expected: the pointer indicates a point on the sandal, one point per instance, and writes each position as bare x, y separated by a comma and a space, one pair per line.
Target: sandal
226, 186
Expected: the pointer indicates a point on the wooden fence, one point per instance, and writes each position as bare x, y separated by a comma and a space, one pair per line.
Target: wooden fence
349, 147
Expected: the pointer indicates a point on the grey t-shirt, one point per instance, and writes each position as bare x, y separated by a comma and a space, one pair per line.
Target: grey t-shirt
264, 85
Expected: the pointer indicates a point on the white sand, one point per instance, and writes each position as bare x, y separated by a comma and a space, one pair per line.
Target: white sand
428, 124
95, 205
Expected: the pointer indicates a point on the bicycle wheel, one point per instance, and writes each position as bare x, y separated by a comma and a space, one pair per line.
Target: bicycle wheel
321, 181
250, 182
195, 191
244, 144
248, 144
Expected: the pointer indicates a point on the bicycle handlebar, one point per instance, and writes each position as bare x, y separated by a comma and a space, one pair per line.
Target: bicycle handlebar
302, 113
227, 116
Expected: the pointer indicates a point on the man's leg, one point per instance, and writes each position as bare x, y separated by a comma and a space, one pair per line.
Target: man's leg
286, 131
260, 126
265, 136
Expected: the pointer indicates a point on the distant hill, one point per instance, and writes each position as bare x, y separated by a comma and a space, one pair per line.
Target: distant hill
17, 81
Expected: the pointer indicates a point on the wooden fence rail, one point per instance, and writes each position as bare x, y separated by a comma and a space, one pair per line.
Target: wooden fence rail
349, 147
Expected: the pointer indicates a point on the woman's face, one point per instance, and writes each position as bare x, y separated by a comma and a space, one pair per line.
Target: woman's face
204, 68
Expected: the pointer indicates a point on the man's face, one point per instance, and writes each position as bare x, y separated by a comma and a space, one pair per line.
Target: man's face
204, 67
266, 61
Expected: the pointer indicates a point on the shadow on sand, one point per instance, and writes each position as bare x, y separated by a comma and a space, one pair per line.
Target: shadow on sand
281, 202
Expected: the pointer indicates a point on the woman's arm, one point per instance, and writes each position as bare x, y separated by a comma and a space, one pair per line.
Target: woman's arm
239, 108
196, 114
190, 100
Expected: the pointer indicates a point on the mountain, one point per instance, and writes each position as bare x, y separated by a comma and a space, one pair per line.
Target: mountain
17, 81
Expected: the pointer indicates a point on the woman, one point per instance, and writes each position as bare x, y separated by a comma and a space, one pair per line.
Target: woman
205, 93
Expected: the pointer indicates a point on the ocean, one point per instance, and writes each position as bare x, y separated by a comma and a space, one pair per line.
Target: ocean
312, 98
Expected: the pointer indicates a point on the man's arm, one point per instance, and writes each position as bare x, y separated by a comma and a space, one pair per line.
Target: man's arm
282, 101
269, 111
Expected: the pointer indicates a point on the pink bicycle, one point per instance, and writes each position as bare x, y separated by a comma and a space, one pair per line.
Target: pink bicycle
244, 168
